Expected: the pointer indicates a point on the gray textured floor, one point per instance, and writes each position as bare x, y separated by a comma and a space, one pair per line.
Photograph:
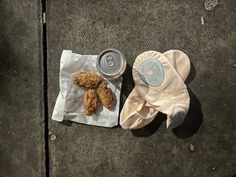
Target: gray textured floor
21, 119
87, 27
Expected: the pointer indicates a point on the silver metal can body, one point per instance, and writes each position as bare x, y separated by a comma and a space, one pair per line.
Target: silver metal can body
111, 63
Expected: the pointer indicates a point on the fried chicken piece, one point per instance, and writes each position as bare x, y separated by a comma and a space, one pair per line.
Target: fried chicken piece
105, 95
87, 79
91, 102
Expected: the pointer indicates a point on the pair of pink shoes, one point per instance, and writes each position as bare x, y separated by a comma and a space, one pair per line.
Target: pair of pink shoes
159, 87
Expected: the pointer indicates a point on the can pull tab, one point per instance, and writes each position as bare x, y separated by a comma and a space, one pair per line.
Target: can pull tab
110, 61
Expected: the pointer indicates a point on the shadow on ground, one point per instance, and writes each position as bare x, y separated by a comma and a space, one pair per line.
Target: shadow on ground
66, 123
151, 128
193, 119
128, 82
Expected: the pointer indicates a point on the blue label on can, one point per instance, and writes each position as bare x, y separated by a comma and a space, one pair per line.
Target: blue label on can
151, 71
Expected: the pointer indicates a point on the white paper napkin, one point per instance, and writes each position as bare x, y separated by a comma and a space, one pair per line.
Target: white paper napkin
69, 103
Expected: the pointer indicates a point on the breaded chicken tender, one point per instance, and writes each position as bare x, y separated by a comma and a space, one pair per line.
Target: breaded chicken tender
105, 95
87, 79
91, 102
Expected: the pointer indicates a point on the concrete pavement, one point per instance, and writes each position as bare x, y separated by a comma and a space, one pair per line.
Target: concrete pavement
204, 145
21, 91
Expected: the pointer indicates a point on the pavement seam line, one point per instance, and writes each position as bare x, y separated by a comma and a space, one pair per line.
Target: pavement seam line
45, 87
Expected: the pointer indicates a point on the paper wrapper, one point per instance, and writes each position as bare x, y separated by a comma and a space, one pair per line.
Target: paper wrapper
69, 103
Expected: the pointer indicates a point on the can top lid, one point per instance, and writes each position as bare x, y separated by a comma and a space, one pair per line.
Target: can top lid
111, 62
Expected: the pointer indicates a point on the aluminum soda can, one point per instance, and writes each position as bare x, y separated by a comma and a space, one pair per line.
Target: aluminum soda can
111, 63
